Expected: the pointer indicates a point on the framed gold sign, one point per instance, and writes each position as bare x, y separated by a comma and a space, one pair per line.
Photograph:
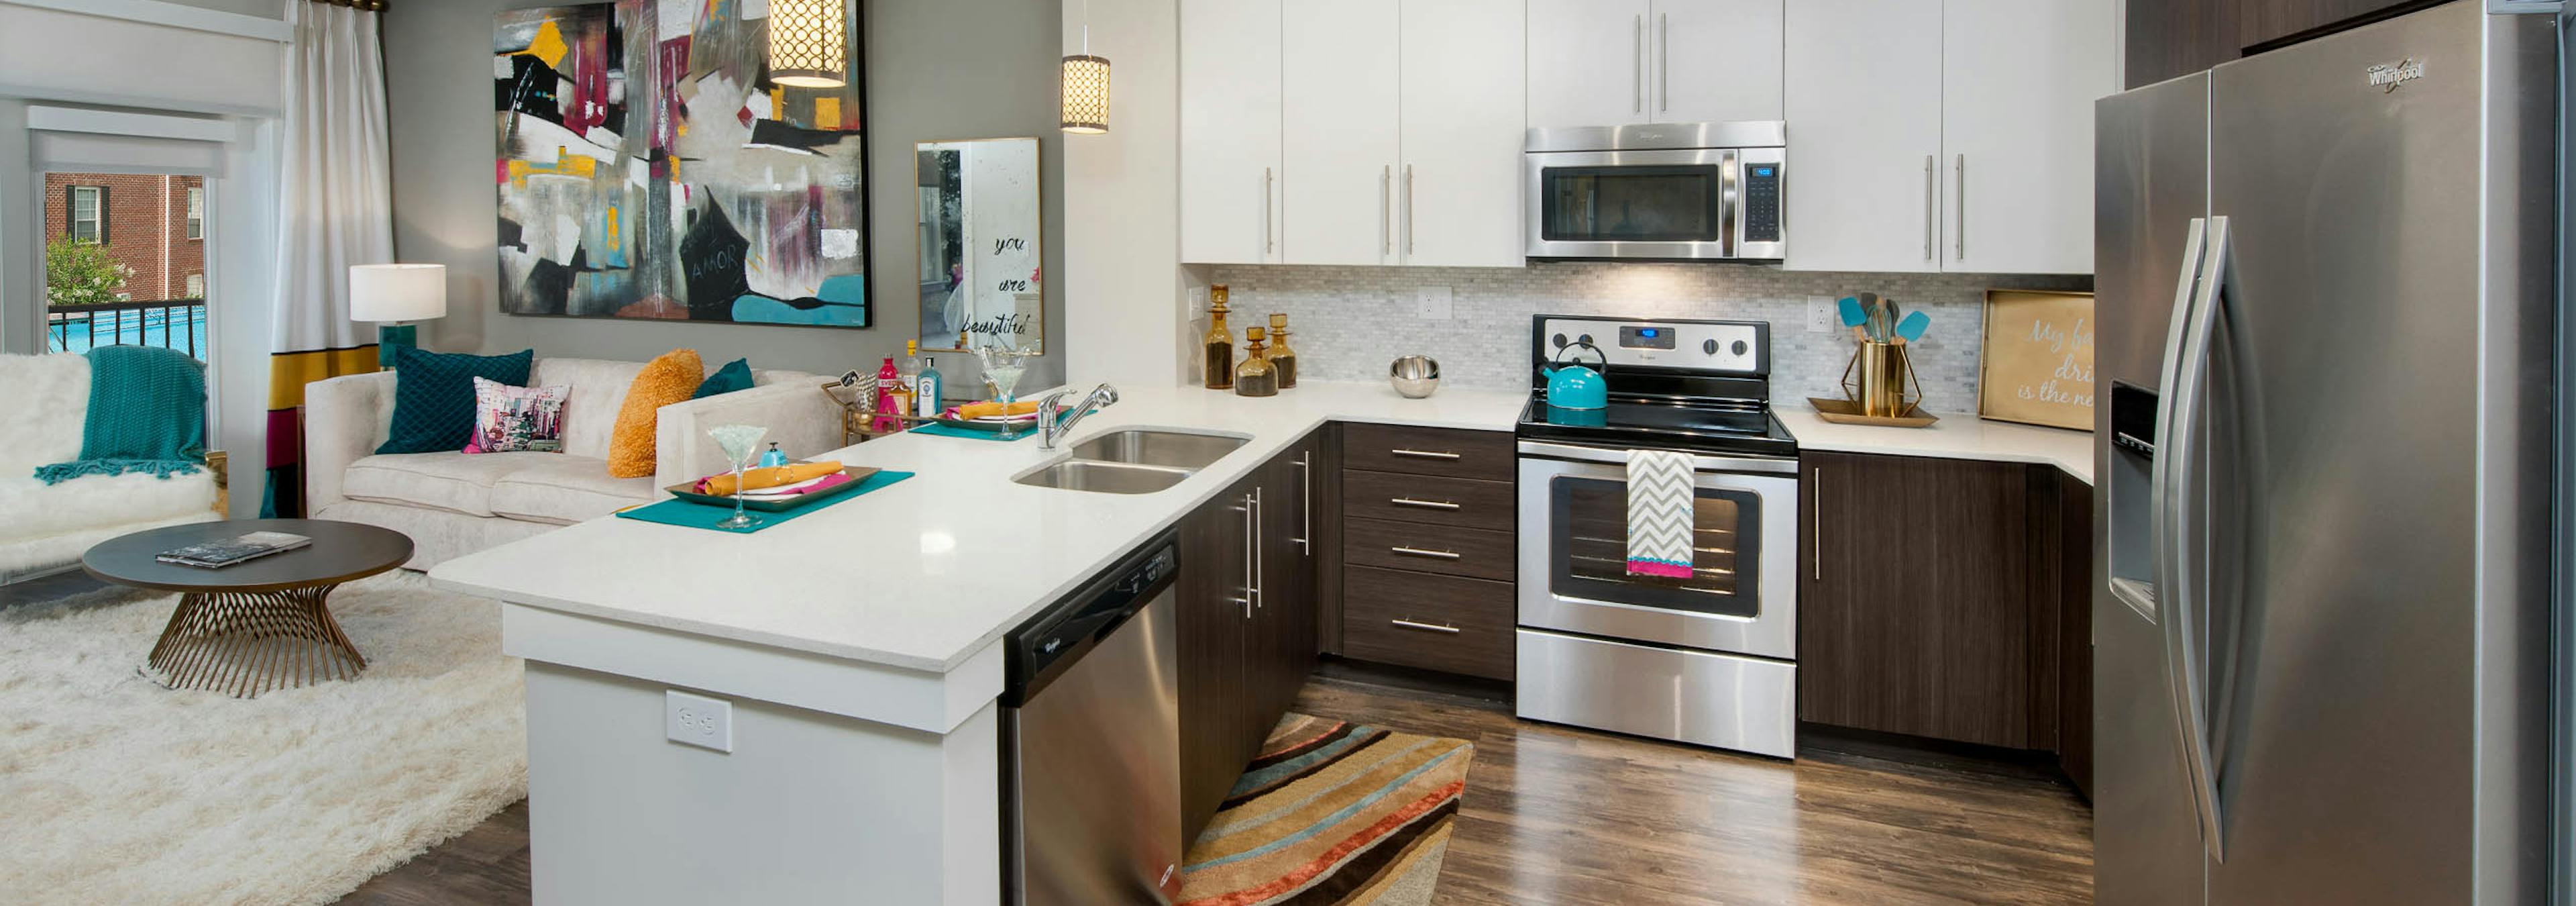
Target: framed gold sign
2037, 363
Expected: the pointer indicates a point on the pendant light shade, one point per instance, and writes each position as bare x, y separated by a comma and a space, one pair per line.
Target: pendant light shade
809, 43
1086, 94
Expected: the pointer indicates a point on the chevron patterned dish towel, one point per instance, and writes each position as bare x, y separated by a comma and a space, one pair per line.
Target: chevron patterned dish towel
1659, 513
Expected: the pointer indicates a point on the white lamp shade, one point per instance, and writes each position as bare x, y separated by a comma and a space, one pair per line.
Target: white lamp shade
397, 292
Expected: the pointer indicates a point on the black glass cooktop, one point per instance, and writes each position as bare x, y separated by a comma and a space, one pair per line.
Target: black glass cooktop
1710, 426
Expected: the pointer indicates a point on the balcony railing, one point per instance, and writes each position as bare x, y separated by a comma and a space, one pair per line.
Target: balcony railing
171, 324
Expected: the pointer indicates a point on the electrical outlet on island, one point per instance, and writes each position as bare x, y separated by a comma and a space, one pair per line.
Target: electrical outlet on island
1431, 303
697, 720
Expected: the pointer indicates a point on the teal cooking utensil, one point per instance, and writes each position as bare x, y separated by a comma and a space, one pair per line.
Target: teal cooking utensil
1853, 316
1911, 329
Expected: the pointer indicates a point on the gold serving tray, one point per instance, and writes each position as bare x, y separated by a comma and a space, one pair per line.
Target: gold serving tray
858, 475
1846, 412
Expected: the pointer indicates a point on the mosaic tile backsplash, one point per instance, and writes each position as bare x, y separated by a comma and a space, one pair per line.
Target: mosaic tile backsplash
1349, 322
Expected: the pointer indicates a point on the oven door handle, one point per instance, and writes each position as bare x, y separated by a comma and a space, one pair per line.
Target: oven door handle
1543, 449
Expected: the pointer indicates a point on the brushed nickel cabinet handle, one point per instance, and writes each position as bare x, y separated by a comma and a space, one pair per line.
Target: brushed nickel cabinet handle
1268, 242
1246, 600
1422, 454
1411, 213
1664, 60
1306, 506
1637, 102
1426, 627
1422, 504
1418, 552
1260, 555
1931, 205
1386, 210
1959, 207
1816, 522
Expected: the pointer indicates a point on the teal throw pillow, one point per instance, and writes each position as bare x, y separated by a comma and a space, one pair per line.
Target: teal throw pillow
434, 396
735, 375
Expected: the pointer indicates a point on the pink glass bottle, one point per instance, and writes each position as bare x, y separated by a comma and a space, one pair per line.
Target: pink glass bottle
889, 388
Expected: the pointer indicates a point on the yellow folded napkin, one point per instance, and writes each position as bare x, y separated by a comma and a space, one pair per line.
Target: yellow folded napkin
770, 477
988, 410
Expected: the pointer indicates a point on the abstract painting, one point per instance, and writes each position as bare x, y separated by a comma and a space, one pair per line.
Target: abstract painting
649, 168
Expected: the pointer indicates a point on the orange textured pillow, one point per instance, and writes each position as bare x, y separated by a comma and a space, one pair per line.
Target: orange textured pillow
668, 378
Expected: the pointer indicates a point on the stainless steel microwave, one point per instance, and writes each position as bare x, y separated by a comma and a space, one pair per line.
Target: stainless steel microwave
1658, 191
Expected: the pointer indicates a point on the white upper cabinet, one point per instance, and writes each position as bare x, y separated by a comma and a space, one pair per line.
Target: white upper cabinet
1864, 115
1463, 132
2018, 82
1230, 131
1587, 62
1616, 62
1337, 179
1951, 136
1714, 60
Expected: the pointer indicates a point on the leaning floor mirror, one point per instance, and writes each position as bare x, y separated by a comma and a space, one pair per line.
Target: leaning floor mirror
979, 244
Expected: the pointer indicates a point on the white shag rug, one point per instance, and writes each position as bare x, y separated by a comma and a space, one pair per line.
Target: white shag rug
116, 790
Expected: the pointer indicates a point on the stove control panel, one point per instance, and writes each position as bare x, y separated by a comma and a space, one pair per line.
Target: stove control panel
1741, 347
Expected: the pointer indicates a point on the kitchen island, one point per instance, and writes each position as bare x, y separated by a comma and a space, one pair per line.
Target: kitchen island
852, 650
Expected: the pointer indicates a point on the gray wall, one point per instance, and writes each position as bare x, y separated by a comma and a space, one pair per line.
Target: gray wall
936, 70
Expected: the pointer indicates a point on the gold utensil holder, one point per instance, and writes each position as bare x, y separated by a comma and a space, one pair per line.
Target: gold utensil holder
1880, 381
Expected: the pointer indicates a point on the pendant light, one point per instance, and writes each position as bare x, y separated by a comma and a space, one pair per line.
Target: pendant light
1086, 86
809, 43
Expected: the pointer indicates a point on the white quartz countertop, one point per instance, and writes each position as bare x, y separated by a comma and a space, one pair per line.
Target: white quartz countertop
925, 573
1955, 436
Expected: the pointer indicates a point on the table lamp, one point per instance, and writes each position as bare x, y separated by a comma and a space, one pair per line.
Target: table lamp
391, 294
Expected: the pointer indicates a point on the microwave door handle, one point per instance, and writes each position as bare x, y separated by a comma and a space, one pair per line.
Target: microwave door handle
2181, 573
1731, 208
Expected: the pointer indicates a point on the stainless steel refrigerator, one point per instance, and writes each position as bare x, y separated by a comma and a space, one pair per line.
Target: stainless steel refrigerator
2323, 599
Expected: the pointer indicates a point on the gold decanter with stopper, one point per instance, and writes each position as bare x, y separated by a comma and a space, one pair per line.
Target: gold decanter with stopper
1254, 377
1283, 360
1219, 363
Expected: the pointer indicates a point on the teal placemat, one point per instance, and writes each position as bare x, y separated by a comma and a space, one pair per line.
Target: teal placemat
701, 516
972, 434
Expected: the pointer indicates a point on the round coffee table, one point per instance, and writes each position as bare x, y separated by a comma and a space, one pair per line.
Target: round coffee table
254, 626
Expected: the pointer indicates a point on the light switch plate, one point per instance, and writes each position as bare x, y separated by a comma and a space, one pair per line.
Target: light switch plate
697, 720
1432, 303
1198, 302
1822, 314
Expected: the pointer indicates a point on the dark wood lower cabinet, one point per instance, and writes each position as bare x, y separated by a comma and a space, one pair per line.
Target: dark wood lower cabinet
1247, 634
1948, 599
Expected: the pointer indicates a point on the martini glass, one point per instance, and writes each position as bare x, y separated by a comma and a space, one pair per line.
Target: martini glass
741, 444
1004, 371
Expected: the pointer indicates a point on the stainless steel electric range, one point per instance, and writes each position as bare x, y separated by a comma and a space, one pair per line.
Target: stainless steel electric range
1710, 659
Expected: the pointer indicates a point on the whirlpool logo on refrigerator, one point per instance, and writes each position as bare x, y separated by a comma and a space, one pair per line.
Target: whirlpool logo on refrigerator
2388, 76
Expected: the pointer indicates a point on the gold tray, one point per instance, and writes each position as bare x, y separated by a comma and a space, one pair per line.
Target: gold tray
858, 475
1846, 412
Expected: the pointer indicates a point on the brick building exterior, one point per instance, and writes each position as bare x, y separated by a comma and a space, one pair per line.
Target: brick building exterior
145, 223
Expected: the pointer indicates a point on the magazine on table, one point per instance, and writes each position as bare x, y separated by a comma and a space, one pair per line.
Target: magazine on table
226, 552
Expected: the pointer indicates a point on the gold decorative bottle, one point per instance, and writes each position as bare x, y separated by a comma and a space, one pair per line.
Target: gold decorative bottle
1219, 363
1254, 377
1283, 360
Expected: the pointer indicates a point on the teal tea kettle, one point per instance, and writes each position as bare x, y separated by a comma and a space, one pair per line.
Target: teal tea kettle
1576, 386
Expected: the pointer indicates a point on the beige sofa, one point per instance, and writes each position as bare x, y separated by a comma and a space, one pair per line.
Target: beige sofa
456, 503
45, 528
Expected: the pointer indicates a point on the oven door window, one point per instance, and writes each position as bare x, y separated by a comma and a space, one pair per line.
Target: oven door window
1589, 549
1676, 203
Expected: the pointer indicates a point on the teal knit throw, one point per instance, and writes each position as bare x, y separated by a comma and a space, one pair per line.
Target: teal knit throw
147, 413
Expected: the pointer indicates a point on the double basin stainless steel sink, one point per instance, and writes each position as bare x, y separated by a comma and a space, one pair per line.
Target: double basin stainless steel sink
1133, 461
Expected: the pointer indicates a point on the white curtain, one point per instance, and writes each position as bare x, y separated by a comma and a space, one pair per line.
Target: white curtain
335, 199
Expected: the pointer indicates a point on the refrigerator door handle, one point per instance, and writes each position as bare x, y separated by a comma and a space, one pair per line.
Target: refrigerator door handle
2179, 571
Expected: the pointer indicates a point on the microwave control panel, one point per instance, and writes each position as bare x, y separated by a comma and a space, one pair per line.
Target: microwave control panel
1761, 202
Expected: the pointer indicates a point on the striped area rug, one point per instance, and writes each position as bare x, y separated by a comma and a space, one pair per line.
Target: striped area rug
1335, 813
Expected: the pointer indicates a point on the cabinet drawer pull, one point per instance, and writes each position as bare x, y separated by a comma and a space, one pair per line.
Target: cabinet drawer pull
1418, 552
1426, 627
1423, 454
1422, 504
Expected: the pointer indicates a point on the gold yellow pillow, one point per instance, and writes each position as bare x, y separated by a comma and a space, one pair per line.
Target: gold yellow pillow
667, 379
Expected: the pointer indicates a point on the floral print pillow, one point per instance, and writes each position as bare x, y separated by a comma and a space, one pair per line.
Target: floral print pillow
510, 419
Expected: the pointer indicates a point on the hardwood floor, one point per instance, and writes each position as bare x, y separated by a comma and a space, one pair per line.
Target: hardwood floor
1556, 815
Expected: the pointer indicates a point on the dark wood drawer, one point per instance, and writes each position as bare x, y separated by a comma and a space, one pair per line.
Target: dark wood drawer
1433, 622
1485, 455
1433, 549
1428, 499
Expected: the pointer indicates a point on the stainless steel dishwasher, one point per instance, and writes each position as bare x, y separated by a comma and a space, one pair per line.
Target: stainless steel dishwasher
1091, 746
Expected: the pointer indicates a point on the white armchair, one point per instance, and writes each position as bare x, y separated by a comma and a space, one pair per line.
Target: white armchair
455, 503
44, 528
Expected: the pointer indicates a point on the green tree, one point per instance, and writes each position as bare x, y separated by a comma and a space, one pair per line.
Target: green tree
81, 273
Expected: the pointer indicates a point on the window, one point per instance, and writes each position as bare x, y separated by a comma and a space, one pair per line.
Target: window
89, 214
196, 286
196, 214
